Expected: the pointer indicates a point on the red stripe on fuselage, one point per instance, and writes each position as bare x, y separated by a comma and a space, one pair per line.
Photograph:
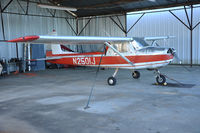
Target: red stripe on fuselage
107, 60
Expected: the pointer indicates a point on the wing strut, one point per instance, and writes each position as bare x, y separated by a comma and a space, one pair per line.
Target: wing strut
120, 54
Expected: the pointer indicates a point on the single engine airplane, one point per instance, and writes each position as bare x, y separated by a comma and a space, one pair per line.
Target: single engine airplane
120, 53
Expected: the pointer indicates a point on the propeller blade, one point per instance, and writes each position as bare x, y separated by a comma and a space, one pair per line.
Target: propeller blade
179, 60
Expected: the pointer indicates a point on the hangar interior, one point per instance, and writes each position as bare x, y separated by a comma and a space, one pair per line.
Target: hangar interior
22, 16
53, 100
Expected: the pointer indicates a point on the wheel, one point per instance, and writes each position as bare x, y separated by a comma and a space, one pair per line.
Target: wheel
160, 79
111, 81
136, 75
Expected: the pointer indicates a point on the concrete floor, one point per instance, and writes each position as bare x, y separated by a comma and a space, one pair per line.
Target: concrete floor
52, 101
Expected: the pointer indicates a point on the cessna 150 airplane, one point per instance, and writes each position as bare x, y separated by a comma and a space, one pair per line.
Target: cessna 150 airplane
120, 52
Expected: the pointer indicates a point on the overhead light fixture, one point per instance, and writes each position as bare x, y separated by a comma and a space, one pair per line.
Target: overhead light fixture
57, 7
152, 0
73, 14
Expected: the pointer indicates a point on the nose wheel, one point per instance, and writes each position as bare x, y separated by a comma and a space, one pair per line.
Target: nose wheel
160, 79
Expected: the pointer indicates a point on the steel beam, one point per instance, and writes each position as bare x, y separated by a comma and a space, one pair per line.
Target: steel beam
36, 15
77, 30
3, 9
196, 25
117, 24
134, 23
77, 26
186, 3
54, 13
71, 27
51, 13
21, 6
27, 7
84, 26
67, 12
179, 19
187, 16
78, 33
120, 23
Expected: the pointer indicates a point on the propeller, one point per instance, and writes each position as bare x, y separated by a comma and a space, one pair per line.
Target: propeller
173, 52
176, 57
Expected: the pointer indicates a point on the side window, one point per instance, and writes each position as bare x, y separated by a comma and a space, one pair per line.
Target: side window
123, 47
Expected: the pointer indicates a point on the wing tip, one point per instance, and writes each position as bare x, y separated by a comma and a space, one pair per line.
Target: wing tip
24, 39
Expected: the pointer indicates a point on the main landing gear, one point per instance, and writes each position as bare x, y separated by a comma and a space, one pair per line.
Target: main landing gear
112, 80
136, 74
160, 79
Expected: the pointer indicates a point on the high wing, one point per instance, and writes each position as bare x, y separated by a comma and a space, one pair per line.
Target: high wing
69, 39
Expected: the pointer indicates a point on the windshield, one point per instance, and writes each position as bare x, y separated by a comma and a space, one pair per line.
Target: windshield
141, 42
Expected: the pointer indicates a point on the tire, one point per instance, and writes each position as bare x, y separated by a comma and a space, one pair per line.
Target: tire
136, 75
160, 79
112, 81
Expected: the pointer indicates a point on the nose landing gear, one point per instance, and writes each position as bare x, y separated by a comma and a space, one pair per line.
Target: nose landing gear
160, 79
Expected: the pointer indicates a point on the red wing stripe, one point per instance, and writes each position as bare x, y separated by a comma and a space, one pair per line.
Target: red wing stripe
25, 39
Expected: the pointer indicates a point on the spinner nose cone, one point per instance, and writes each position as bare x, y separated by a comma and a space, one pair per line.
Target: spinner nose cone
171, 51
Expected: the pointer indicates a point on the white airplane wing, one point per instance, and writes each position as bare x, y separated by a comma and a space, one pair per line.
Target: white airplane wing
69, 39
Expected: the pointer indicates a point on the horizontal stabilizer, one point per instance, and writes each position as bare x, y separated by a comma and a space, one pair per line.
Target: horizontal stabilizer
158, 38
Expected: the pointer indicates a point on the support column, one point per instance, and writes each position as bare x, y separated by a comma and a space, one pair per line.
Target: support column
77, 46
29, 57
2, 22
125, 25
191, 37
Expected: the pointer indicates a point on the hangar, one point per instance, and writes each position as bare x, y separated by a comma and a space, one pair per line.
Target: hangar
35, 98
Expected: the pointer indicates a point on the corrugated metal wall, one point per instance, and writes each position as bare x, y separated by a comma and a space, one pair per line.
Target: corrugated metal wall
152, 24
163, 23
102, 26
21, 25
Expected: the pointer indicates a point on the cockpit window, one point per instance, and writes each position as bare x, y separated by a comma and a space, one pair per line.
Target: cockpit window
141, 42
121, 47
